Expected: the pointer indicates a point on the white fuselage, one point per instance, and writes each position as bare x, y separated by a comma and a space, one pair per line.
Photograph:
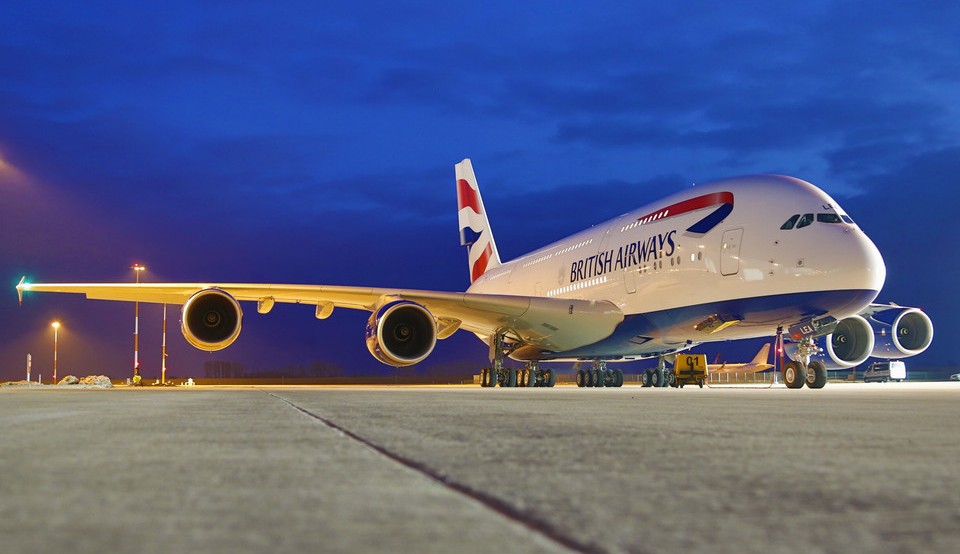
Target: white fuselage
671, 268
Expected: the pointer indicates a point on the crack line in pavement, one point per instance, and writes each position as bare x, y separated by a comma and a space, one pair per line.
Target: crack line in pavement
538, 526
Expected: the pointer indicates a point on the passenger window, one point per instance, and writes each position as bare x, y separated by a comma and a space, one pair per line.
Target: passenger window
790, 222
828, 218
807, 219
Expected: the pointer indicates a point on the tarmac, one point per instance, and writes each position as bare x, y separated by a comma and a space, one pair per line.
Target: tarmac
850, 468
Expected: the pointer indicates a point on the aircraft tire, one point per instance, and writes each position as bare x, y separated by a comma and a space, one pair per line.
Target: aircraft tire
656, 379
485, 377
509, 378
646, 379
599, 377
532, 378
549, 378
581, 378
818, 371
617, 378
794, 376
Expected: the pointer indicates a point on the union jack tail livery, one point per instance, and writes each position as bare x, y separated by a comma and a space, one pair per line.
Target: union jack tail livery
475, 230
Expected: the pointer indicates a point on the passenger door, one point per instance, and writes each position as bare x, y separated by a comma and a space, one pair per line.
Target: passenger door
730, 252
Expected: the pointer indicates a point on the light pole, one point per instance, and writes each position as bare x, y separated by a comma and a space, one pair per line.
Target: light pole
163, 360
56, 333
137, 270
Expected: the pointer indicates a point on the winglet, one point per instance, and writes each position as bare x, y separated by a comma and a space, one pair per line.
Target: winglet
20, 286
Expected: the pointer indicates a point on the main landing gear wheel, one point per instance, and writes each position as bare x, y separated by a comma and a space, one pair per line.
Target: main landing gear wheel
549, 377
599, 377
816, 375
581, 378
617, 378
509, 378
794, 375
646, 378
656, 378
488, 377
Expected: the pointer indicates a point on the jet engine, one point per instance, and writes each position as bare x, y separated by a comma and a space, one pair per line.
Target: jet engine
849, 345
900, 332
210, 319
401, 333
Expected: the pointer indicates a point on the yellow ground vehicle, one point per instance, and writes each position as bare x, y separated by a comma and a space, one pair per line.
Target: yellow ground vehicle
690, 369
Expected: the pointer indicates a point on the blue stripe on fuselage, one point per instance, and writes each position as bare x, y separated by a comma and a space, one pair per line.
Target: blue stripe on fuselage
669, 330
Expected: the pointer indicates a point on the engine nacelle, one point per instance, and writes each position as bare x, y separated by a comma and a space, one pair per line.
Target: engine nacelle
210, 320
401, 333
900, 332
849, 345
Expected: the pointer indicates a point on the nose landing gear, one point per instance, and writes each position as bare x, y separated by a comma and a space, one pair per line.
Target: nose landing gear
802, 371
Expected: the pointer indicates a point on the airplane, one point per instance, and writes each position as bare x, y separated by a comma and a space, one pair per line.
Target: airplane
758, 363
738, 258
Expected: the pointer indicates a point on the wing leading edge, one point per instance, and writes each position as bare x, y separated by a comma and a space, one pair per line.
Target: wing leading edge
547, 324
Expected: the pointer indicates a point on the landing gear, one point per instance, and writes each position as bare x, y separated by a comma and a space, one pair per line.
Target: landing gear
816, 375
803, 370
537, 377
532, 376
488, 377
599, 376
794, 376
659, 377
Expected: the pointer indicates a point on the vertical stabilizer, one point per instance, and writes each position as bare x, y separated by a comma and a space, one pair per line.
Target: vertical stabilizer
475, 230
762, 355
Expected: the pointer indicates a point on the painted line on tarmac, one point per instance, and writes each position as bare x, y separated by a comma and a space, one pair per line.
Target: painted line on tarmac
526, 520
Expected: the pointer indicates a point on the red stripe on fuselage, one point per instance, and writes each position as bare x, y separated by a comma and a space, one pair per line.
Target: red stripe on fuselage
705, 201
467, 197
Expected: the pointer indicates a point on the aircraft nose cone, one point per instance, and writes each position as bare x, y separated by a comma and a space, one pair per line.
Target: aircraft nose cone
874, 270
863, 265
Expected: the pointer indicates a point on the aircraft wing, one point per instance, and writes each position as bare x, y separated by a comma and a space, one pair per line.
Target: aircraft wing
552, 324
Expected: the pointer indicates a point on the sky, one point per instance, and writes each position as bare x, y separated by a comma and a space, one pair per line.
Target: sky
314, 142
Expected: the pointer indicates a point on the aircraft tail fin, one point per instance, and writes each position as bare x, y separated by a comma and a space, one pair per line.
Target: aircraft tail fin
762, 356
475, 230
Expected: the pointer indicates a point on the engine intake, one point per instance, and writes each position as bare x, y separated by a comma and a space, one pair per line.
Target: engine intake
401, 333
851, 342
210, 320
901, 332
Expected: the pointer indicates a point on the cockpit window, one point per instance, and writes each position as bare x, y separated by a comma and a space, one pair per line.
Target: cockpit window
790, 222
829, 218
847, 219
805, 220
